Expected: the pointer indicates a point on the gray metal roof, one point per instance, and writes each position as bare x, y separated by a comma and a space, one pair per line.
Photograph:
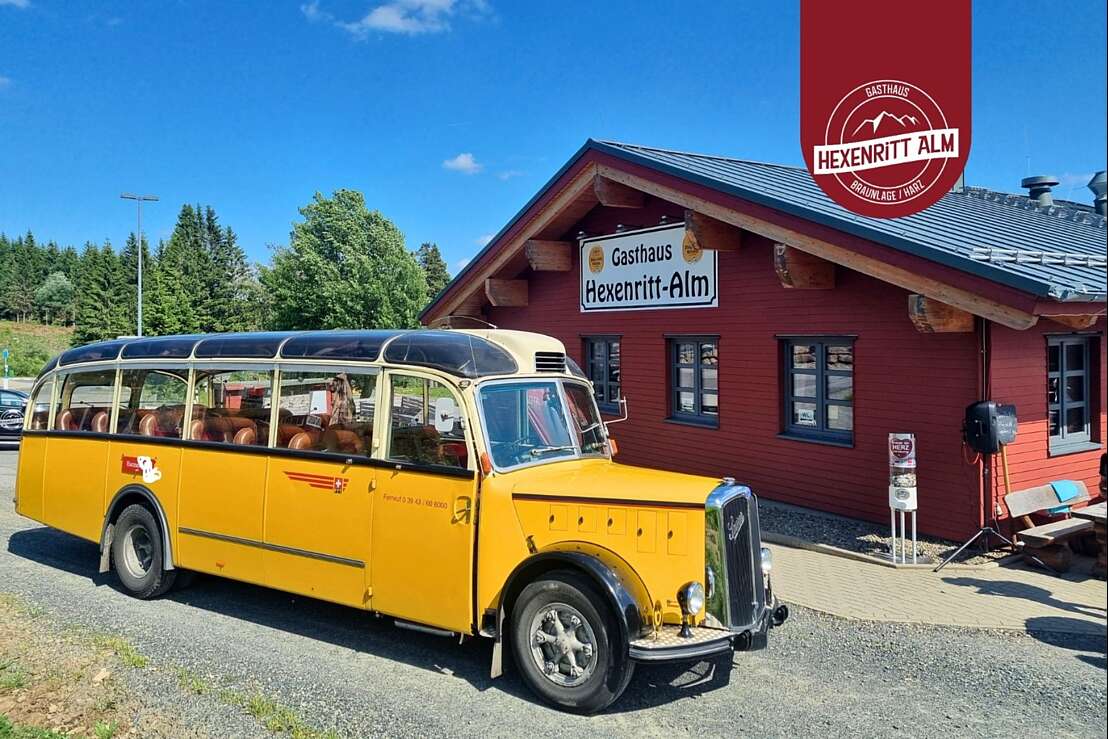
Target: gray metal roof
1051, 253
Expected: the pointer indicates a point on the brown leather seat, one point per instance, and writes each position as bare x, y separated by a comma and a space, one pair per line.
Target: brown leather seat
100, 422
196, 430
148, 425
303, 440
246, 436
64, 421
343, 440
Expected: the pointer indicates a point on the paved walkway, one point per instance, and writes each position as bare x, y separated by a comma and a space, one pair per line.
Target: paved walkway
1006, 597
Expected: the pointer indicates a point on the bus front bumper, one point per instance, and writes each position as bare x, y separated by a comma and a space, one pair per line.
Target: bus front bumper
666, 644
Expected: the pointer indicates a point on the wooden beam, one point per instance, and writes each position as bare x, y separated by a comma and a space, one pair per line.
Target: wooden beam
549, 256
932, 317
570, 198
1075, 322
615, 195
708, 233
802, 271
876, 268
506, 293
473, 305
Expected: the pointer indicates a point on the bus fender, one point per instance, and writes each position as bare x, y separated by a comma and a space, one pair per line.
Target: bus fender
124, 497
614, 579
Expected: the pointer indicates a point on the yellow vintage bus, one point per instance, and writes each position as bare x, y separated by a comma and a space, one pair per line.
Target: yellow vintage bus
458, 481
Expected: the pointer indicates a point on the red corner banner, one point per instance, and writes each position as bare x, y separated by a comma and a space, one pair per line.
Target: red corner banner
885, 101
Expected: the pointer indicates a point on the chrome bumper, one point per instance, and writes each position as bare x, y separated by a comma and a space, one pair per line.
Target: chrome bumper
666, 645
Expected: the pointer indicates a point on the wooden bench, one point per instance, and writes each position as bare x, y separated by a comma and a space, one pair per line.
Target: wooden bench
1047, 542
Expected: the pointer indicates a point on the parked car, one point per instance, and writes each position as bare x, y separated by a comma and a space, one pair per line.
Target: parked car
12, 404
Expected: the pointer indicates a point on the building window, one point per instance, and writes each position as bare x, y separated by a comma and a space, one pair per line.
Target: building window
819, 389
1069, 366
694, 379
602, 366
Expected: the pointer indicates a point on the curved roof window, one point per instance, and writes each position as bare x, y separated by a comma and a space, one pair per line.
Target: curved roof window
455, 353
165, 347
346, 345
92, 352
261, 345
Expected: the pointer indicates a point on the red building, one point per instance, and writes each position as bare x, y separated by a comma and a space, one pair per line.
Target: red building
758, 330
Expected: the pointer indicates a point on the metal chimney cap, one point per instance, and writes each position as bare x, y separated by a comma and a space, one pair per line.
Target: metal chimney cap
1042, 180
1097, 184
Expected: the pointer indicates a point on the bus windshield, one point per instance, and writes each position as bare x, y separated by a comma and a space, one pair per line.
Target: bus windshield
539, 421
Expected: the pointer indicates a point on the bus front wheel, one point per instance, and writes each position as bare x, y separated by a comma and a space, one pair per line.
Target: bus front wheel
566, 644
137, 553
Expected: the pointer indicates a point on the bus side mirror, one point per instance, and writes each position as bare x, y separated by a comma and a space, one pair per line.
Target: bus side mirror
623, 413
446, 413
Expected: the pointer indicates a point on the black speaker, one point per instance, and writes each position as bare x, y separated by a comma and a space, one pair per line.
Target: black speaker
989, 424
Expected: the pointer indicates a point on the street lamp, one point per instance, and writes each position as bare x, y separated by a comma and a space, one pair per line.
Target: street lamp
139, 199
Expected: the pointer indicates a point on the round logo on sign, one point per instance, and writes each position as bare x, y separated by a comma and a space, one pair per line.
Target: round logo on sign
690, 250
887, 143
596, 259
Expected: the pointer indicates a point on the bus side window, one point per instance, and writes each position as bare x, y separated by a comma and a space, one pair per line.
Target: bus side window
85, 402
39, 406
414, 434
232, 407
153, 403
327, 411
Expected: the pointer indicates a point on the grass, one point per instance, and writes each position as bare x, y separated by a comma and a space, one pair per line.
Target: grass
192, 682
11, 676
276, 718
123, 649
105, 729
32, 344
8, 730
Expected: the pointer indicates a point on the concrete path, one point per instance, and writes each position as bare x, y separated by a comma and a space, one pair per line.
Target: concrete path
1006, 597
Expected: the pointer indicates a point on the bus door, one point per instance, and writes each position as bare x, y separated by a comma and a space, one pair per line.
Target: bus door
76, 462
424, 517
222, 486
319, 493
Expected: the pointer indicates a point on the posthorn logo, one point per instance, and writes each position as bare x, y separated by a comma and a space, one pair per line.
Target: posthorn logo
734, 526
887, 142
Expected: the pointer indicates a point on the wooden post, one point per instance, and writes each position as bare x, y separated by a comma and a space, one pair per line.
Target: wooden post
708, 233
932, 317
616, 195
549, 256
802, 271
506, 293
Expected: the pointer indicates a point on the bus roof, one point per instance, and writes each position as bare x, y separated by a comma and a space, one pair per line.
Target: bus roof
465, 353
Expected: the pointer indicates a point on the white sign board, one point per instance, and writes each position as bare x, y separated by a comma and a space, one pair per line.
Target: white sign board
646, 270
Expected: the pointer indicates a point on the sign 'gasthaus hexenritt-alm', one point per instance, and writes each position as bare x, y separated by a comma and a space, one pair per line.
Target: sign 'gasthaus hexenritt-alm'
645, 270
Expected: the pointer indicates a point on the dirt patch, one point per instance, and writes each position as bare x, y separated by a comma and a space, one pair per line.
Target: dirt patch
68, 682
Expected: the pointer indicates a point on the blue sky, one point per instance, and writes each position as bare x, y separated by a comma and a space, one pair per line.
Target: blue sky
447, 114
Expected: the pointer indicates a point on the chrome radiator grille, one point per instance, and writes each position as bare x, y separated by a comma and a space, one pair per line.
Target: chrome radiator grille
733, 552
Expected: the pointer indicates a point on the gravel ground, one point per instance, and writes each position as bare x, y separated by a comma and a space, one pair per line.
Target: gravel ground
341, 669
859, 536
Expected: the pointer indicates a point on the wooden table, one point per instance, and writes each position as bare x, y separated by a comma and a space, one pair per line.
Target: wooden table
1096, 514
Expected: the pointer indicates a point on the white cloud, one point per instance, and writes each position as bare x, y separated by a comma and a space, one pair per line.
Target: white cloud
410, 17
509, 174
464, 162
313, 13
483, 239
16, 3
460, 265
4, 81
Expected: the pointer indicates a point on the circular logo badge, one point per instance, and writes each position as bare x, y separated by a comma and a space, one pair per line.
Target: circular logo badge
596, 259
887, 143
690, 249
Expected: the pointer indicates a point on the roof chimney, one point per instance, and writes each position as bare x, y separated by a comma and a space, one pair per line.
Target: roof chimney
1096, 184
1039, 189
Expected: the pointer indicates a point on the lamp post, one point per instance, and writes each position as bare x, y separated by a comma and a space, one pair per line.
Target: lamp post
139, 200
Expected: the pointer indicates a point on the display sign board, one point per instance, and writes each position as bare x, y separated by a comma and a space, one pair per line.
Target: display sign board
646, 270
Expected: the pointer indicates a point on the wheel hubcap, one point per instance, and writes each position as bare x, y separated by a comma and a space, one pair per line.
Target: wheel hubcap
138, 551
563, 645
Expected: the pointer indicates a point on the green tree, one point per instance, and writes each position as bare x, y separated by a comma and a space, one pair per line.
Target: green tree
96, 272
346, 267
434, 268
55, 297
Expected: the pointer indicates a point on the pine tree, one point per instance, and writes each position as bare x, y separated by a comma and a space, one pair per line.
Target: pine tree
434, 268
95, 273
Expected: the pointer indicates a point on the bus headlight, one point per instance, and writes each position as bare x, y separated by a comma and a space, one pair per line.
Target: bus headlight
691, 598
767, 560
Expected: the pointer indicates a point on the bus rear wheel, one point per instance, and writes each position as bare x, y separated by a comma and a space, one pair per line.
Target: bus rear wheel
566, 644
138, 555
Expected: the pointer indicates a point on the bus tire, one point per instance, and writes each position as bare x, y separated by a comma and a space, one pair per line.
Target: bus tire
566, 644
137, 553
